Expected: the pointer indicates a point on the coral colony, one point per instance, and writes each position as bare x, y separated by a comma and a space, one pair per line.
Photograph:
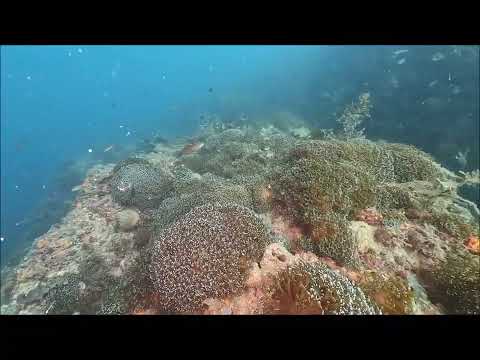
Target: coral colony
260, 217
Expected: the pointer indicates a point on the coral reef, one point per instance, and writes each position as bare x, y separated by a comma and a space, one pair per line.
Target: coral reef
257, 218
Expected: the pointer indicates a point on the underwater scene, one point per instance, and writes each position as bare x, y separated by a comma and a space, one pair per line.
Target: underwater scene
230, 180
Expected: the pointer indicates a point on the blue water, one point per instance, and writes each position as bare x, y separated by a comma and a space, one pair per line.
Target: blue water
57, 102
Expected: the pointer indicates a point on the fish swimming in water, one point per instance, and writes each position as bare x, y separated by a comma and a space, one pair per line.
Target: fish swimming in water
108, 148
191, 148
438, 56
398, 52
462, 158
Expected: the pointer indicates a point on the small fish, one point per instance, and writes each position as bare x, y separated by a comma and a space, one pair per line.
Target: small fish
108, 148
456, 90
462, 158
398, 52
21, 222
438, 56
191, 148
433, 83
394, 81
76, 188
401, 61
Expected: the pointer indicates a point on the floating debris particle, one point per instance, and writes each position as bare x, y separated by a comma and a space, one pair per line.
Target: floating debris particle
2, 239
401, 61
433, 83
90, 150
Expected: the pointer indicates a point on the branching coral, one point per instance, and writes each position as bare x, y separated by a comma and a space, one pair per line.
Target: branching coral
206, 253
353, 116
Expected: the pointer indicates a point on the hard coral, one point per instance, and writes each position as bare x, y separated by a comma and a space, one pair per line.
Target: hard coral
208, 189
390, 292
455, 283
140, 184
204, 254
313, 288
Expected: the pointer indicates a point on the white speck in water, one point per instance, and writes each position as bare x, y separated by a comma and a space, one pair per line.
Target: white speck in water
401, 61
80, 50
121, 126
17, 187
2, 239
29, 77
128, 134
90, 150
43, 186
69, 53
164, 77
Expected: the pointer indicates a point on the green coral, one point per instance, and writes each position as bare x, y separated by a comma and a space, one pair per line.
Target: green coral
412, 164
332, 237
390, 292
314, 288
456, 283
392, 196
453, 224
